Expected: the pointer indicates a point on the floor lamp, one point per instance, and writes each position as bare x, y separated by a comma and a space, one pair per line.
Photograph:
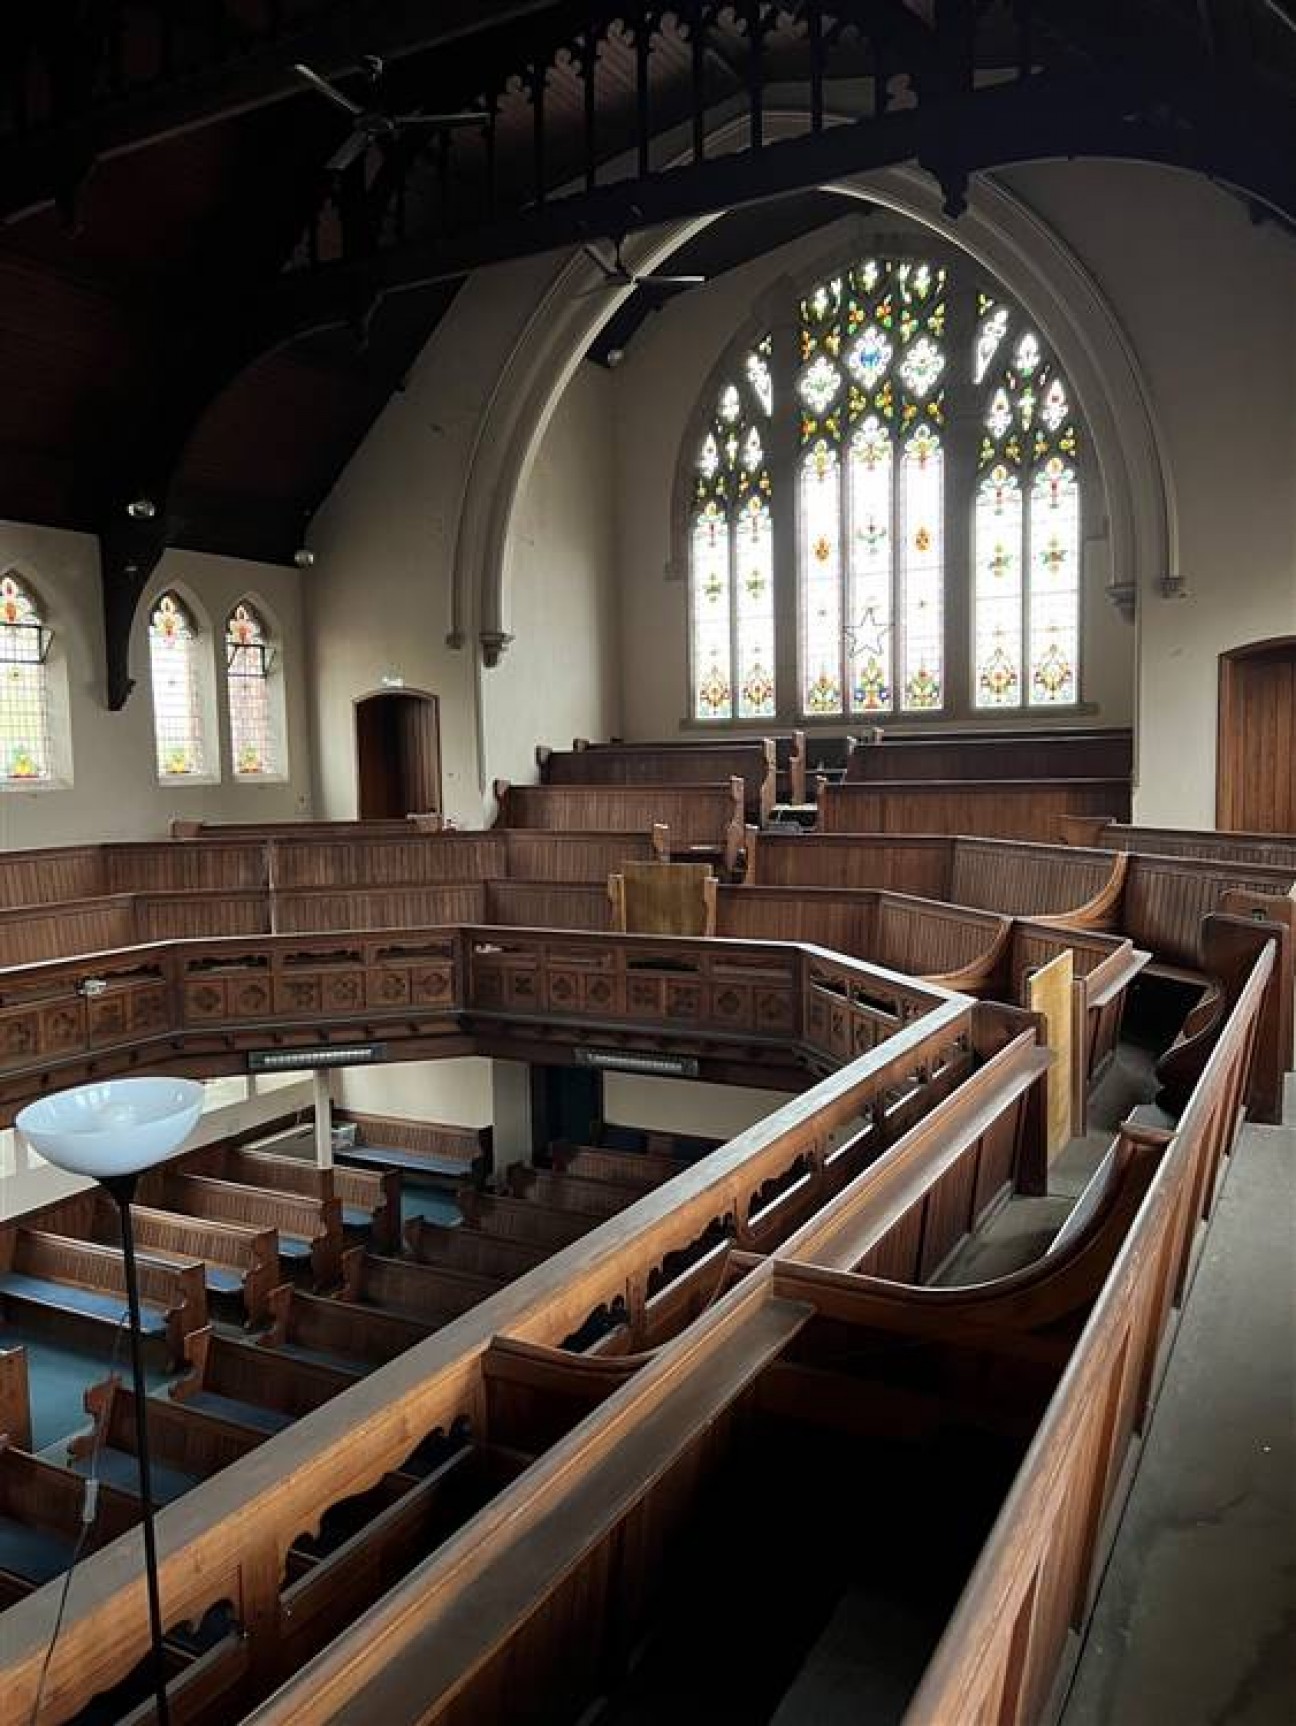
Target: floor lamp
111, 1133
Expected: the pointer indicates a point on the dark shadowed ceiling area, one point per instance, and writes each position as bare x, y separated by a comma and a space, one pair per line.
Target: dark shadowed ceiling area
198, 311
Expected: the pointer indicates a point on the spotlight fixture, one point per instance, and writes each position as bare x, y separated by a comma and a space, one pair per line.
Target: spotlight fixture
304, 557
141, 509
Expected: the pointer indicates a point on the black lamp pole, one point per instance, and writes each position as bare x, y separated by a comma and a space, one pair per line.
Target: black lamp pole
122, 1188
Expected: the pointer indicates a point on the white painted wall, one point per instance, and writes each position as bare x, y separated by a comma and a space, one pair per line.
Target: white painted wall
114, 791
560, 678
1208, 301
685, 1105
385, 541
457, 1093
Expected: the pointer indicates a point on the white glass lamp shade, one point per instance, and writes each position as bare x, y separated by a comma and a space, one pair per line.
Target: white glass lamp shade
116, 1128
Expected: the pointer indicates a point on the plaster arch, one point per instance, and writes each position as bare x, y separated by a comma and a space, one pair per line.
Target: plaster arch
998, 230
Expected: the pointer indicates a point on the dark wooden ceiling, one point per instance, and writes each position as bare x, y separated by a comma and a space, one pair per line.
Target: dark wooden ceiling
194, 310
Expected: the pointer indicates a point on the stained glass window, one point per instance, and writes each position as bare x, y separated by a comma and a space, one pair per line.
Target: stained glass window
894, 422
1026, 521
25, 745
731, 561
248, 660
177, 691
871, 387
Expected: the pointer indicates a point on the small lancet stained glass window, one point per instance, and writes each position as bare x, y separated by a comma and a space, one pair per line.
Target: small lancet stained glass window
177, 694
25, 742
731, 551
1026, 521
870, 558
248, 664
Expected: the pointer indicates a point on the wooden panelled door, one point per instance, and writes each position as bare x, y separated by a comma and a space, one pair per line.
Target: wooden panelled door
398, 754
1255, 783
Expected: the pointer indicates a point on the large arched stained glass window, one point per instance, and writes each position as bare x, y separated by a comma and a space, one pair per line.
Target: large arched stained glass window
248, 663
732, 551
930, 477
177, 691
25, 743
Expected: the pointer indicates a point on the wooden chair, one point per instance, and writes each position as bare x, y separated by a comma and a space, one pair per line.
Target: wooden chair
663, 899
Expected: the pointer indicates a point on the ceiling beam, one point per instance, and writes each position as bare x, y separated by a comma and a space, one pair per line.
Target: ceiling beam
35, 169
1108, 113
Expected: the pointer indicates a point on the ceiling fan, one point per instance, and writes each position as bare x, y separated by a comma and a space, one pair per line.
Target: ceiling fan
618, 274
371, 125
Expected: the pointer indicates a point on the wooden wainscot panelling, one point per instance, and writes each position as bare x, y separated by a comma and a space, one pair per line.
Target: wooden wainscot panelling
49, 877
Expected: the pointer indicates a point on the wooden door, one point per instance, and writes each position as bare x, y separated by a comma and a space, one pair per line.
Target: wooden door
1255, 773
398, 755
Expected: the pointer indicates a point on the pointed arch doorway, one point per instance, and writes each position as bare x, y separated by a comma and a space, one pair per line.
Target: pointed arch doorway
398, 754
1256, 765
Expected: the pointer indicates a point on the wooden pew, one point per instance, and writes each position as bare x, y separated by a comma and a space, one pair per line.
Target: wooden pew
434, 1385
912, 863
572, 1192
15, 1397
415, 1148
991, 808
237, 1260
700, 818
308, 1227
56, 875
1035, 1580
206, 1689
370, 1199
33, 933
41, 1506
344, 1329
529, 1220
306, 910
549, 904
1278, 849
752, 760
547, 1591
255, 1387
423, 1293
1041, 754
86, 1281
467, 1248
186, 1445
641, 1169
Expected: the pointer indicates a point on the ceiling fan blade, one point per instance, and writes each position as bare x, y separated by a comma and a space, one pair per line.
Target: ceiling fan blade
474, 117
347, 153
330, 92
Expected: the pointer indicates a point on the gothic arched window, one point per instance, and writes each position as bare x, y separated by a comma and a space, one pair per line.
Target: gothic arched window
26, 751
178, 726
249, 659
905, 449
